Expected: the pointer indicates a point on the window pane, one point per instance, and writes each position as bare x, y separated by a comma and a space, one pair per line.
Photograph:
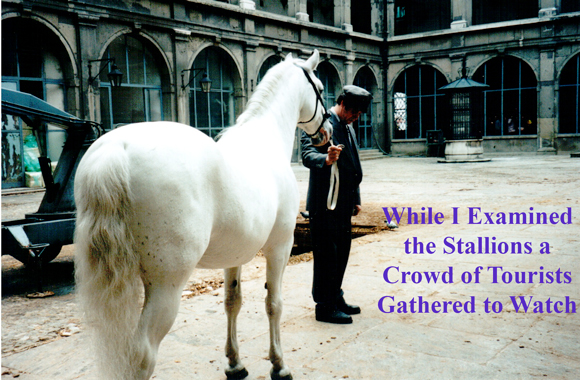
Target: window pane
136, 62
493, 74
153, 75
200, 111
32, 88
128, 105
154, 98
216, 109
569, 109
511, 74
493, 114
400, 117
528, 124
412, 81
413, 118
117, 51
427, 114
105, 107
9, 60
30, 62
427, 82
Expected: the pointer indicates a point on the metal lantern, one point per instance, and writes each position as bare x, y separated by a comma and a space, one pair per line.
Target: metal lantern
465, 109
463, 137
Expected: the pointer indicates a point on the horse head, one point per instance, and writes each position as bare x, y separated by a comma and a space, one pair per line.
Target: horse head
317, 126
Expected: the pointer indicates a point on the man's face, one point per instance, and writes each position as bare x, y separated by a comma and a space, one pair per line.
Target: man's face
351, 115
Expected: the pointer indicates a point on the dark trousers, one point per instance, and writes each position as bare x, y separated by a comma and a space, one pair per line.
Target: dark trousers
331, 238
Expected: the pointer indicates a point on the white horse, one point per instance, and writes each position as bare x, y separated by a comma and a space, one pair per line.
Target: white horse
156, 200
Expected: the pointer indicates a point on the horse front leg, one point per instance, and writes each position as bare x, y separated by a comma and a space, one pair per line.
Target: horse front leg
277, 258
233, 304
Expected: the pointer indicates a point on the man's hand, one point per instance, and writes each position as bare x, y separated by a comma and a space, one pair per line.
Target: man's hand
356, 210
333, 153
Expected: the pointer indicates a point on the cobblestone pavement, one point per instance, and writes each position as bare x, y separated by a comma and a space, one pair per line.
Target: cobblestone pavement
43, 338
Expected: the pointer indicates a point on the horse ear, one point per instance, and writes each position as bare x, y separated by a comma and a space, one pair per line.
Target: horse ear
288, 57
312, 62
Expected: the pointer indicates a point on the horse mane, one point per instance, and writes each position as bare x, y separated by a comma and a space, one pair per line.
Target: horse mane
265, 92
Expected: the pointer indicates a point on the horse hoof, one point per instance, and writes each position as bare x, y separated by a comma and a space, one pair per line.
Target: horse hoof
237, 374
278, 376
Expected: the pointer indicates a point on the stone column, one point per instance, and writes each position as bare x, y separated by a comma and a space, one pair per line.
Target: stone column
298, 9
548, 8
547, 131
182, 62
377, 18
389, 23
87, 34
461, 13
342, 15
247, 4
348, 69
250, 63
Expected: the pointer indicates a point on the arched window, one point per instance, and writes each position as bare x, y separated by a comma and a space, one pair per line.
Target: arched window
363, 126
570, 97
329, 78
214, 111
268, 64
418, 104
139, 98
510, 105
32, 63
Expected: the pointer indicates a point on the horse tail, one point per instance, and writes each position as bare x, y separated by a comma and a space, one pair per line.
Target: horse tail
106, 264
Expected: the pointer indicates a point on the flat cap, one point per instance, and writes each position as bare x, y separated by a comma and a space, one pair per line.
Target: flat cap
354, 97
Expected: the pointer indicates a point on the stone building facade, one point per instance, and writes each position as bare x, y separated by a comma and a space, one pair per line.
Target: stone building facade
402, 51
55, 50
526, 51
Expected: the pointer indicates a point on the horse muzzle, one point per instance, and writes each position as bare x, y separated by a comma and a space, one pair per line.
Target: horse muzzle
323, 135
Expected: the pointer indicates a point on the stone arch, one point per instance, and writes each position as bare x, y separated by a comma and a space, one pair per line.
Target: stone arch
363, 127
330, 77
418, 105
510, 103
146, 77
568, 96
268, 62
36, 60
218, 109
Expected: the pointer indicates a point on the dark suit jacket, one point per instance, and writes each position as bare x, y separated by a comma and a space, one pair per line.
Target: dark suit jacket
349, 168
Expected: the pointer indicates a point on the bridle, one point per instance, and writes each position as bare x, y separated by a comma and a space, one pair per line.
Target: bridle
326, 114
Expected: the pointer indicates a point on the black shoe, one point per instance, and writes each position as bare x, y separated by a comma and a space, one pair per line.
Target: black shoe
346, 308
332, 316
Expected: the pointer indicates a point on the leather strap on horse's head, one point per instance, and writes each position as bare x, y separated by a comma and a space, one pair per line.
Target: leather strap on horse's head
326, 114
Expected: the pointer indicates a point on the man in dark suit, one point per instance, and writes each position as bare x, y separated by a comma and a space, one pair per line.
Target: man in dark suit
331, 228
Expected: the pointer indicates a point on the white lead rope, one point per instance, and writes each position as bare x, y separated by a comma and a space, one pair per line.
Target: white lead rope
334, 184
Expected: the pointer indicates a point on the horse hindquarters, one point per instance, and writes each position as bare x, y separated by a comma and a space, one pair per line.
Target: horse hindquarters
106, 265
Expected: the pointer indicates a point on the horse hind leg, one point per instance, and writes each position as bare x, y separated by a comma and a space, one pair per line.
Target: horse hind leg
233, 304
276, 260
159, 312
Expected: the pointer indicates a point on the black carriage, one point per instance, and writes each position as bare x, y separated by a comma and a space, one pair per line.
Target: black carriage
38, 238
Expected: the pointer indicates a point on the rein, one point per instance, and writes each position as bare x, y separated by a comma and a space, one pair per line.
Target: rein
334, 178
318, 100
334, 182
